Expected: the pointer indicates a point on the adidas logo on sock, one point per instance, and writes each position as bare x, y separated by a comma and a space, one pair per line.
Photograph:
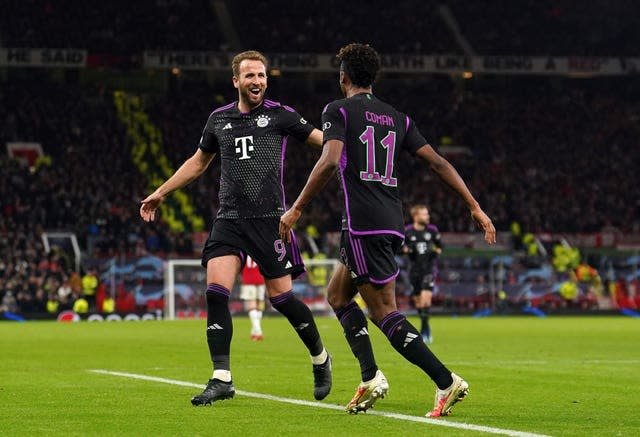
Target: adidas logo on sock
409, 338
301, 326
214, 327
362, 332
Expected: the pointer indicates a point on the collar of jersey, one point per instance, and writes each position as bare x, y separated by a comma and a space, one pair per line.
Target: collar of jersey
237, 109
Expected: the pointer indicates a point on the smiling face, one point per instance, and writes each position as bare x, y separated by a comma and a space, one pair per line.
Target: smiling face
251, 83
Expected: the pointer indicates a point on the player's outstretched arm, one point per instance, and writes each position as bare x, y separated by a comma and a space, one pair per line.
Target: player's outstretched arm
315, 138
188, 171
320, 175
450, 175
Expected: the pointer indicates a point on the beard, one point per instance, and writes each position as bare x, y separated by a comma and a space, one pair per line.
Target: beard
250, 99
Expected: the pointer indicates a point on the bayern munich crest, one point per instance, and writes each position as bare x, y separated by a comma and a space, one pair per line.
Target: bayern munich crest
262, 120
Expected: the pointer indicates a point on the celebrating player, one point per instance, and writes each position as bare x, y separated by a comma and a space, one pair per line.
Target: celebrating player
250, 136
362, 139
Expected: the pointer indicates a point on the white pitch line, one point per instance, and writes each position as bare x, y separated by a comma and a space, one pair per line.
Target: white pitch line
541, 362
439, 422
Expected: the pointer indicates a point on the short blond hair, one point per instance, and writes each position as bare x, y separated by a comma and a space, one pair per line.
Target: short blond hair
253, 55
415, 208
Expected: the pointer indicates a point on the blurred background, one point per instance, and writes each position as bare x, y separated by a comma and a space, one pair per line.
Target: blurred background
536, 103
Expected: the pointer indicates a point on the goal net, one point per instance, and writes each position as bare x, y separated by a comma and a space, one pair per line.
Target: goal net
185, 281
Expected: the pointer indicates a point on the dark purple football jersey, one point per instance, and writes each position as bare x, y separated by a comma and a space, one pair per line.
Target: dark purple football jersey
373, 133
252, 148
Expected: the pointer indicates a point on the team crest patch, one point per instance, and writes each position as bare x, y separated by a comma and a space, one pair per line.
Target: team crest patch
262, 120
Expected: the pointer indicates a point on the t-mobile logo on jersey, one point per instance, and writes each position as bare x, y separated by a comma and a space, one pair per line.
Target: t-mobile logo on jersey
244, 145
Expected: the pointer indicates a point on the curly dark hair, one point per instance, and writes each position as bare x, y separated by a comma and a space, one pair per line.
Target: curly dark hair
361, 62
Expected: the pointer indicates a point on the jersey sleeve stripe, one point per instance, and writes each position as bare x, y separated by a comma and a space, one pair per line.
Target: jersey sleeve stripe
343, 158
224, 108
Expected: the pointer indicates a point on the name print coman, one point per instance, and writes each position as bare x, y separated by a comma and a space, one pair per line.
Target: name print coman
383, 120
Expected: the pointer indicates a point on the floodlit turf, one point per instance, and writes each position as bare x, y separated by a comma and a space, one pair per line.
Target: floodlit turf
555, 376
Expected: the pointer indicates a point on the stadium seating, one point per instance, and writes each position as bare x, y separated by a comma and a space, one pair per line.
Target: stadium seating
555, 154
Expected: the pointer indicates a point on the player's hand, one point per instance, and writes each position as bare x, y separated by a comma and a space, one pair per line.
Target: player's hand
287, 221
484, 222
149, 207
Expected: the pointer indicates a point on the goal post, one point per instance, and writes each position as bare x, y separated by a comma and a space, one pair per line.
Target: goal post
170, 283
185, 280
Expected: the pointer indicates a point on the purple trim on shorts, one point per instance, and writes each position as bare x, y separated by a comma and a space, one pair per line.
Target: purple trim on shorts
295, 251
365, 267
224, 108
385, 280
354, 254
281, 298
348, 309
243, 259
377, 232
406, 128
283, 151
359, 266
218, 289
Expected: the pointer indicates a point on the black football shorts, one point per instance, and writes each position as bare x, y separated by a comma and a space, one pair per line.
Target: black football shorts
370, 258
258, 238
425, 282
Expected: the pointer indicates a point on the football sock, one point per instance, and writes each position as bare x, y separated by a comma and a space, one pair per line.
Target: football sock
219, 326
222, 375
300, 317
424, 320
320, 358
255, 316
402, 335
355, 326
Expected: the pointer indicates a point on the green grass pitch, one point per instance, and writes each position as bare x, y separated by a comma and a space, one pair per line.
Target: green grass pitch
569, 376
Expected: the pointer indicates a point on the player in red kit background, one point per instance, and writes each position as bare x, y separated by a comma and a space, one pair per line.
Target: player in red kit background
252, 293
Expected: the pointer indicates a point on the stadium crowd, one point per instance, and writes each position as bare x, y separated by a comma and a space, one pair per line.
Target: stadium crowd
496, 27
553, 154
549, 27
525, 159
113, 28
